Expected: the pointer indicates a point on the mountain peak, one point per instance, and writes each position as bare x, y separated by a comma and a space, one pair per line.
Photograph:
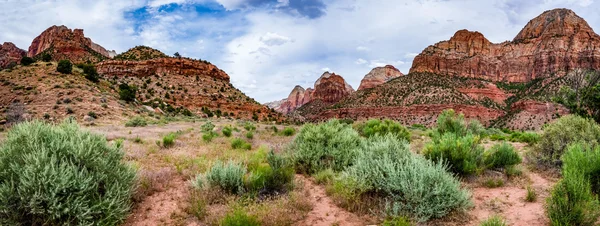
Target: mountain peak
63, 43
556, 22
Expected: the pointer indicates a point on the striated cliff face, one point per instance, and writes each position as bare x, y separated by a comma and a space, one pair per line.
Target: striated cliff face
64, 43
9, 54
551, 44
161, 66
329, 89
378, 76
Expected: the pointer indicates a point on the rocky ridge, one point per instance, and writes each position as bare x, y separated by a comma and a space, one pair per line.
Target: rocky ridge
378, 76
63, 43
10, 54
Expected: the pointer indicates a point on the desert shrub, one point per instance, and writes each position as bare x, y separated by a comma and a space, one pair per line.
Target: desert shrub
90, 72
501, 156
93, 114
127, 92
531, 195
584, 161
46, 57
209, 136
65, 67
560, 134
327, 145
274, 128
227, 131
375, 127
462, 154
250, 135
26, 61
397, 221
524, 137
494, 221
136, 122
229, 177
238, 143
277, 176
412, 185
169, 140
493, 182
288, 131
324, 176
572, 202
249, 126
207, 127
451, 122
62, 175
239, 217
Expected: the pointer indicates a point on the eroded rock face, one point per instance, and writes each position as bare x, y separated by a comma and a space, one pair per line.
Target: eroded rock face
161, 66
64, 43
331, 88
551, 44
378, 76
10, 54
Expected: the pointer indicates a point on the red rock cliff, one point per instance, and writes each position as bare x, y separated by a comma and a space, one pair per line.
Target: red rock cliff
378, 76
553, 43
65, 43
9, 53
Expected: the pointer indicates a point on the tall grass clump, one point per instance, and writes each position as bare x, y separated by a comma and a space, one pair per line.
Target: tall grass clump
275, 177
227, 131
574, 200
560, 134
62, 175
451, 122
327, 145
375, 127
288, 131
229, 177
501, 156
207, 127
169, 140
239, 217
209, 136
494, 221
238, 143
136, 122
410, 184
463, 154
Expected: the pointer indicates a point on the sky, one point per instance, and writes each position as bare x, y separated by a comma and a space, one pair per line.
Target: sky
269, 46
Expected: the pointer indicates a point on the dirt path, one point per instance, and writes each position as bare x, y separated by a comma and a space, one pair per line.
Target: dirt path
325, 212
509, 202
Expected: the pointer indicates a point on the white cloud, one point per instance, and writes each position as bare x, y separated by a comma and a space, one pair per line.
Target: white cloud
274, 39
361, 61
362, 49
157, 3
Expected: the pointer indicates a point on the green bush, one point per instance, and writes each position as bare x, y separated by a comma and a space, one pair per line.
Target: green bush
573, 200
249, 126
169, 140
494, 221
501, 156
207, 127
450, 122
250, 135
62, 175
239, 218
277, 176
462, 154
65, 67
398, 221
90, 72
229, 177
46, 57
375, 127
209, 136
26, 61
127, 92
410, 184
327, 145
324, 176
136, 122
288, 131
524, 137
227, 131
238, 143
560, 134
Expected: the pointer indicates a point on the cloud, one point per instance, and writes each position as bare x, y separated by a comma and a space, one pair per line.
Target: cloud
362, 49
361, 61
273, 39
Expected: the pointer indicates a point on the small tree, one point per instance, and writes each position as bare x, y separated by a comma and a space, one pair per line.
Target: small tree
127, 92
26, 61
90, 73
46, 57
65, 67
177, 55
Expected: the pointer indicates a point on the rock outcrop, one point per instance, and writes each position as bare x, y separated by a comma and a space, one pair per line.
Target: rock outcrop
329, 89
378, 76
10, 54
161, 66
553, 43
63, 43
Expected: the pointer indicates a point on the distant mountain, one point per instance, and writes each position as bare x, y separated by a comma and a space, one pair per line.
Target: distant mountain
10, 55
378, 76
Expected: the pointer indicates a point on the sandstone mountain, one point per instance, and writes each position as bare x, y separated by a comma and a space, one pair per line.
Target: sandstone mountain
63, 43
196, 85
10, 54
378, 76
553, 43
329, 89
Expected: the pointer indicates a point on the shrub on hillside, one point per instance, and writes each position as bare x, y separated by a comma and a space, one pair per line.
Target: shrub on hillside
277, 176
26, 61
250, 135
288, 131
375, 127
169, 140
90, 72
229, 177
239, 217
209, 136
501, 156
463, 154
238, 143
62, 175
409, 183
65, 67
127, 92
524, 137
494, 221
560, 134
451, 122
46, 57
227, 131
207, 127
136, 122
327, 145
